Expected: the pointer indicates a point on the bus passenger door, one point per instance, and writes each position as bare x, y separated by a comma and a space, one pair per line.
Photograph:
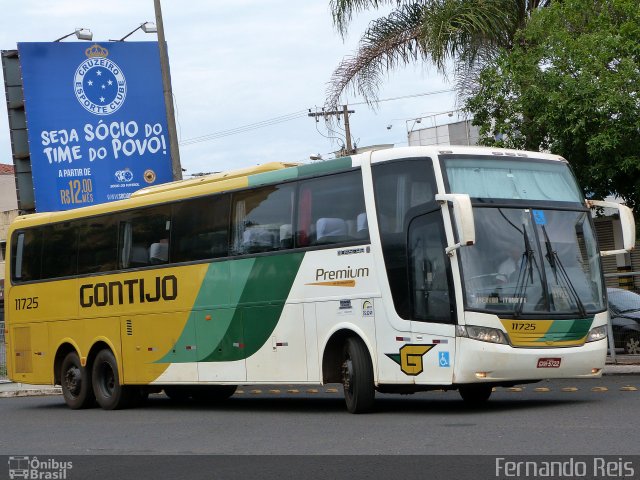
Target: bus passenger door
432, 298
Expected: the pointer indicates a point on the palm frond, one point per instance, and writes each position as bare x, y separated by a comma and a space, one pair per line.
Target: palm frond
388, 41
468, 33
342, 11
460, 29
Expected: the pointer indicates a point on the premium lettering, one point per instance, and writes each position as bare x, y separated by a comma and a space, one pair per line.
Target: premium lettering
129, 292
347, 273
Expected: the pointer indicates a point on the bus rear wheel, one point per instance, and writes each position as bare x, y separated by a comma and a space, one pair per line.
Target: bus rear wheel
357, 377
76, 383
475, 394
109, 392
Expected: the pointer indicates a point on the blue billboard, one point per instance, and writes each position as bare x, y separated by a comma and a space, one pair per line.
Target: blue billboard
96, 121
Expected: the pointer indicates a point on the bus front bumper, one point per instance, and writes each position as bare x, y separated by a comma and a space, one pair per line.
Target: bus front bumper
483, 362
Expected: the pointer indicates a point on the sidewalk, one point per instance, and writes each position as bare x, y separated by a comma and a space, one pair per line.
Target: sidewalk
626, 365
10, 389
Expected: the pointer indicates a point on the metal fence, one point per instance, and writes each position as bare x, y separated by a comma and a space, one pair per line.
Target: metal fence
3, 355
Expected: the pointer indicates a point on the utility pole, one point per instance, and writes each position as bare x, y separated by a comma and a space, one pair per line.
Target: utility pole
347, 129
172, 133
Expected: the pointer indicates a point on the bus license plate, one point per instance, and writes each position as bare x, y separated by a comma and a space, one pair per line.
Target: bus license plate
549, 362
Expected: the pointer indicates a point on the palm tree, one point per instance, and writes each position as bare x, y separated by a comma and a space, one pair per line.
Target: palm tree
468, 33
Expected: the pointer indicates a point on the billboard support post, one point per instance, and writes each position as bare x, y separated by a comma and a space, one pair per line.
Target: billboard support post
168, 95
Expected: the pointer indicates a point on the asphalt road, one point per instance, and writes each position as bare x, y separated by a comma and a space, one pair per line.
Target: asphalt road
568, 417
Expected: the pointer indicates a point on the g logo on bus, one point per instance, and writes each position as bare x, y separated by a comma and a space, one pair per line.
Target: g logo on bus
410, 358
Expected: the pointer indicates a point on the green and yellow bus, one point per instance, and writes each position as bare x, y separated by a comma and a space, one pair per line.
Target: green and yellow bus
397, 270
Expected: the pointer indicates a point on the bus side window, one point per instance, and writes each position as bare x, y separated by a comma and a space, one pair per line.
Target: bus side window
401, 188
26, 256
98, 249
262, 218
144, 237
328, 210
200, 228
60, 249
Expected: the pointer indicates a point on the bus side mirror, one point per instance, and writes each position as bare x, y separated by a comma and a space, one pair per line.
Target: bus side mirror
463, 216
626, 222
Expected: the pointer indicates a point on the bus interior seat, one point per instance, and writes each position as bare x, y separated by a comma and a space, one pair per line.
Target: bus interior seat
330, 230
257, 239
306, 236
351, 227
286, 236
159, 253
362, 226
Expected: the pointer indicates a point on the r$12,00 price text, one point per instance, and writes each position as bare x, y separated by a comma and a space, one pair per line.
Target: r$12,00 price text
80, 192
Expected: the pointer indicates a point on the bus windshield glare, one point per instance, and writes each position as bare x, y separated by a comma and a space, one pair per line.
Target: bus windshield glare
527, 260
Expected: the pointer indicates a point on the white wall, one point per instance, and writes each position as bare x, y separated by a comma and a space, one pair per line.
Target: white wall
8, 199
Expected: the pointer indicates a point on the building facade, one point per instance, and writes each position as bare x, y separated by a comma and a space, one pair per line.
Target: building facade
8, 211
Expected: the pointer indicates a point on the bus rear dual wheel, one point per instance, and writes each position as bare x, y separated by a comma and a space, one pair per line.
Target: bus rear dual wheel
82, 386
76, 383
109, 391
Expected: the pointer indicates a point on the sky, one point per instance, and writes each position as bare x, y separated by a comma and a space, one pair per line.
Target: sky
237, 64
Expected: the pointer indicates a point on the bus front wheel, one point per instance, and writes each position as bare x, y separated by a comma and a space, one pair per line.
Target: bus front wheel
475, 394
357, 376
76, 383
109, 392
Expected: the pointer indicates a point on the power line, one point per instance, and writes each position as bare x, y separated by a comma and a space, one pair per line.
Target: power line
245, 128
406, 96
285, 118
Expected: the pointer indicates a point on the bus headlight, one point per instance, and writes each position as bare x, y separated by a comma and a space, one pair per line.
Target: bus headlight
484, 334
597, 333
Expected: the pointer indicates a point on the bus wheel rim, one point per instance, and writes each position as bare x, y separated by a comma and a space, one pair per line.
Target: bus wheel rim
73, 380
347, 375
108, 380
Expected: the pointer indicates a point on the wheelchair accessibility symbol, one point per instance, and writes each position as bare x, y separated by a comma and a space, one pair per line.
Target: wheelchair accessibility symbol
443, 359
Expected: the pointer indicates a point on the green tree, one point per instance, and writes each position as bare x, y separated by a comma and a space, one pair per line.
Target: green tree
463, 33
571, 86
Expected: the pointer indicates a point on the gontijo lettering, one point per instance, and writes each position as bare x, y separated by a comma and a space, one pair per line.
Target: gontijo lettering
135, 290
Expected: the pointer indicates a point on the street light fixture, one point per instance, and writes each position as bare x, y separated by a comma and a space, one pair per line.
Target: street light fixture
146, 27
432, 116
80, 33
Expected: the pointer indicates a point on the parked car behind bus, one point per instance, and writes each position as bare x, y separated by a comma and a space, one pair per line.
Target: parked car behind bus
624, 308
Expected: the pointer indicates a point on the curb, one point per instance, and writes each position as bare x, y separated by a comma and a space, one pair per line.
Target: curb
31, 392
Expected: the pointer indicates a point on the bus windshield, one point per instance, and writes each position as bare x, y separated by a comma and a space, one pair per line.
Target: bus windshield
526, 260
529, 261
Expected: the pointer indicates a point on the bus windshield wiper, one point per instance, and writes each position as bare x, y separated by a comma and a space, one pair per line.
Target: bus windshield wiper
560, 272
526, 263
